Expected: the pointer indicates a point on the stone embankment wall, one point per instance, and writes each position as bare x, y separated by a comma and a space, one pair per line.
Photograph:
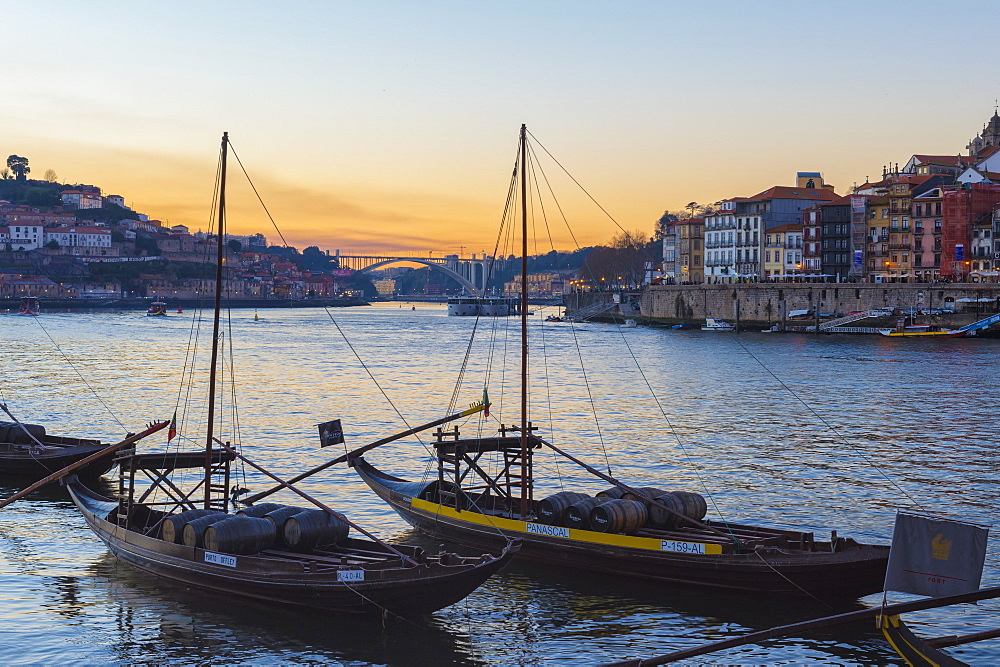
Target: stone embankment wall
762, 304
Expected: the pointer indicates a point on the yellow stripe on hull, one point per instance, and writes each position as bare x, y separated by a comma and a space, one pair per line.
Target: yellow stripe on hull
571, 534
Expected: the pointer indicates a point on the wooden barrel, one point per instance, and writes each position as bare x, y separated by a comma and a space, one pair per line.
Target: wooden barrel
650, 491
577, 515
194, 530
615, 492
694, 504
310, 529
278, 518
551, 510
172, 528
241, 535
258, 511
618, 516
660, 517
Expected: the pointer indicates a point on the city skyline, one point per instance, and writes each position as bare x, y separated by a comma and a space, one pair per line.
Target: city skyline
391, 127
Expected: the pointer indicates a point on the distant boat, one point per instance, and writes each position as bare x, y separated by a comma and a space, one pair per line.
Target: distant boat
629, 324
925, 330
717, 325
157, 309
485, 306
29, 306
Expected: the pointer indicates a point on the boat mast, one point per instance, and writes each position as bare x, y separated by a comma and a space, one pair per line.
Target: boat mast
220, 228
524, 322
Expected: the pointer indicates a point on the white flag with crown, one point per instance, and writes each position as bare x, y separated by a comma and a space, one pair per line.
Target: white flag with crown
935, 557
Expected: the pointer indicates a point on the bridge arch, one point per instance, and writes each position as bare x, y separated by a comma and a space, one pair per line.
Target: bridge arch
459, 278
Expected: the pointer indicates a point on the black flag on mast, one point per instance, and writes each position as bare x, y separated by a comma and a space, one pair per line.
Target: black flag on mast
331, 433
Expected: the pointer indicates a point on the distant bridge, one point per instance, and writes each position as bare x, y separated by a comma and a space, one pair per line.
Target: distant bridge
470, 272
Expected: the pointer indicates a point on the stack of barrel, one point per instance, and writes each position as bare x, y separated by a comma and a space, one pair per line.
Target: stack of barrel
618, 511
255, 529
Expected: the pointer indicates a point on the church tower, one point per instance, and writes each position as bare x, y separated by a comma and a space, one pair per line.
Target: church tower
990, 136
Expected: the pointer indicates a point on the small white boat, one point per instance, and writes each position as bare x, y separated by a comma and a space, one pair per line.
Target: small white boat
629, 324
717, 325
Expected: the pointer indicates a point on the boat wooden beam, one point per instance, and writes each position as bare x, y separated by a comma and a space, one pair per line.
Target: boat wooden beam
287, 485
132, 439
473, 409
814, 624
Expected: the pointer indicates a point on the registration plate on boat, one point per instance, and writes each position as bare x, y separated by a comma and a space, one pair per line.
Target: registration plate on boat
220, 559
682, 547
350, 575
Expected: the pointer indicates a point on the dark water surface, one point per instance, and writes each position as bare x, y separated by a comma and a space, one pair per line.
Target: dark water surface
780, 430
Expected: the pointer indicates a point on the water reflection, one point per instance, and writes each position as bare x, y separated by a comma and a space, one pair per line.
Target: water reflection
174, 623
720, 424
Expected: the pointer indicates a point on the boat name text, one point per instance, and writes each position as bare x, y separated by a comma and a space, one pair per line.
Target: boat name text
551, 531
220, 559
682, 547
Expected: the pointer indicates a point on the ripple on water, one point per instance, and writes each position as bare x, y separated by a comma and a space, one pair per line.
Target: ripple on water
789, 446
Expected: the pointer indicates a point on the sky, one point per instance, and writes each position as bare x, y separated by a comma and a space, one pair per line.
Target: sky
391, 127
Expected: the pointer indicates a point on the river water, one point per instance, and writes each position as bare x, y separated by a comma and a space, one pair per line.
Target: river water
784, 430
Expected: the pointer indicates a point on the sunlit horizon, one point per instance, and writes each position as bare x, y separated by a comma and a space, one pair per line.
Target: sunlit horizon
392, 128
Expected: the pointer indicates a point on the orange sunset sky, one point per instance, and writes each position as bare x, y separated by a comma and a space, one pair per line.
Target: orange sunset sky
391, 126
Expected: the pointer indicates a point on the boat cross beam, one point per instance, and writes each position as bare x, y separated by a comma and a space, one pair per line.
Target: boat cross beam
814, 624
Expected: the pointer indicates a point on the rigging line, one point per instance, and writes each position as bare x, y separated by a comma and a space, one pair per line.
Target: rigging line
535, 164
194, 332
569, 228
673, 431
579, 185
486, 279
75, 370
808, 407
548, 401
254, 188
377, 385
237, 431
590, 395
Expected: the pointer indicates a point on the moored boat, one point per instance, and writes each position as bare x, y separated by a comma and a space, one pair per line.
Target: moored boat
717, 325
482, 306
483, 497
28, 451
179, 526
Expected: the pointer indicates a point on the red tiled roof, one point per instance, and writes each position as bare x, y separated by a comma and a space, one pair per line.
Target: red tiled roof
790, 227
950, 160
985, 153
788, 192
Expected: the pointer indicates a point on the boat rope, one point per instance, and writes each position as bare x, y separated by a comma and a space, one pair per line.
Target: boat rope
634, 242
373, 379
69, 362
764, 560
385, 610
823, 421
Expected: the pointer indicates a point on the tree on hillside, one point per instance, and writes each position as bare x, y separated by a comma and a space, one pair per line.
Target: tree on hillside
51, 176
5, 173
18, 165
663, 224
235, 246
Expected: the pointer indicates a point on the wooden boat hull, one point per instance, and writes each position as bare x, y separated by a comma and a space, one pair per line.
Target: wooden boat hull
17, 460
289, 581
842, 575
911, 648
